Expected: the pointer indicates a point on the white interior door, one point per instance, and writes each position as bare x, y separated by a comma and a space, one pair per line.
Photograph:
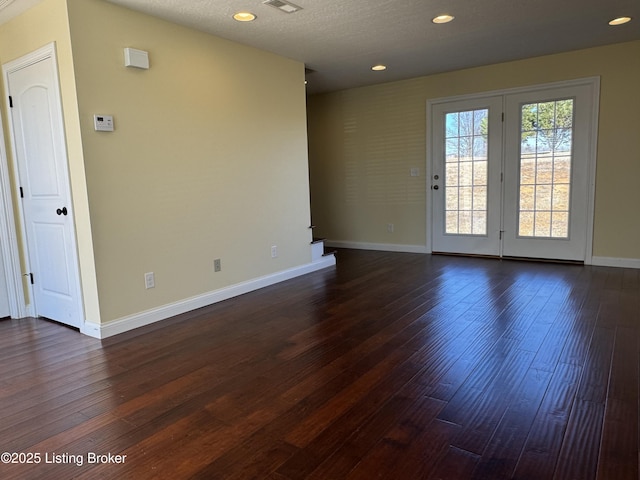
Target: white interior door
466, 192
511, 173
39, 145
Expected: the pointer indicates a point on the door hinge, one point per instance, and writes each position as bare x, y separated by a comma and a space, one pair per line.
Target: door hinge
30, 275
21, 193
501, 177
10, 101
501, 232
503, 116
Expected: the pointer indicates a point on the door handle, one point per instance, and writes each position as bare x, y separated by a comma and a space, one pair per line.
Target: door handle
62, 212
435, 187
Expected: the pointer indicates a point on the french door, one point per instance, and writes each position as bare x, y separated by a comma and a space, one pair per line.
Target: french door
510, 173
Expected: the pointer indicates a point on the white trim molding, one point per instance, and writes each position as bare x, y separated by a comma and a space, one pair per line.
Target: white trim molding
383, 247
148, 317
615, 262
9, 236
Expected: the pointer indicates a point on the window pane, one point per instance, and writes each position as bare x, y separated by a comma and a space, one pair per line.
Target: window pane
452, 199
465, 221
545, 169
479, 173
465, 123
451, 154
480, 148
546, 115
529, 117
480, 199
465, 198
563, 140
466, 172
451, 120
525, 227
466, 148
564, 114
561, 169
527, 197
543, 197
542, 224
480, 122
528, 171
561, 197
451, 175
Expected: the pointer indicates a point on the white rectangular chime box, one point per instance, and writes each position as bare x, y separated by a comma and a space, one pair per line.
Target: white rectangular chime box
136, 58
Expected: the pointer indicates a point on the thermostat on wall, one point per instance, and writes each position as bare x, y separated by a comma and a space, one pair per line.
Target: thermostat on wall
103, 123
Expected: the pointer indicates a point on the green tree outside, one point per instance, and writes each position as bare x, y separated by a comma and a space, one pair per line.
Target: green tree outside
549, 125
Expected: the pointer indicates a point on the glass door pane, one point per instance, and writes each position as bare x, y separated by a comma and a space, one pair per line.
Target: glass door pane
545, 168
466, 172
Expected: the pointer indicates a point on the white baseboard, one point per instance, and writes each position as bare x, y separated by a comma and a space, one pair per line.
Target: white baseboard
384, 247
616, 262
317, 250
141, 319
388, 247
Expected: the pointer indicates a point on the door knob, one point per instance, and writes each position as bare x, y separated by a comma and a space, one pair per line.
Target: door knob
436, 187
62, 212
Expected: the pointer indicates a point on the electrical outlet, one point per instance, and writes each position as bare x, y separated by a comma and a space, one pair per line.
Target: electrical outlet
216, 265
149, 280
390, 227
274, 251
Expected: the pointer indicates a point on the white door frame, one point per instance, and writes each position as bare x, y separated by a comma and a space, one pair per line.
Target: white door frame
11, 253
593, 82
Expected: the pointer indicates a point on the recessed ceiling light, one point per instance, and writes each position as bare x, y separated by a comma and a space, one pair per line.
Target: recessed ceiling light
244, 17
620, 20
443, 18
378, 68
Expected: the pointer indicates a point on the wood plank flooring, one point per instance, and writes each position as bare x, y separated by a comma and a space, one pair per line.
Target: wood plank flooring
391, 365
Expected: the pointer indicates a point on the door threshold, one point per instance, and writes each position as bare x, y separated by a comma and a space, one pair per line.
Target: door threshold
545, 260
517, 259
470, 255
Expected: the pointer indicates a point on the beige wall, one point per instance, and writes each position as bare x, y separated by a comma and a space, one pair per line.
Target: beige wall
364, 141
208, 159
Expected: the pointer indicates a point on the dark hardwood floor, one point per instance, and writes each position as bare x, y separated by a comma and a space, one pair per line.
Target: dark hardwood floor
392, 366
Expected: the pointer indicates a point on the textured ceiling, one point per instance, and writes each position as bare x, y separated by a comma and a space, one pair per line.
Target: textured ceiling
341, 39
13, 8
